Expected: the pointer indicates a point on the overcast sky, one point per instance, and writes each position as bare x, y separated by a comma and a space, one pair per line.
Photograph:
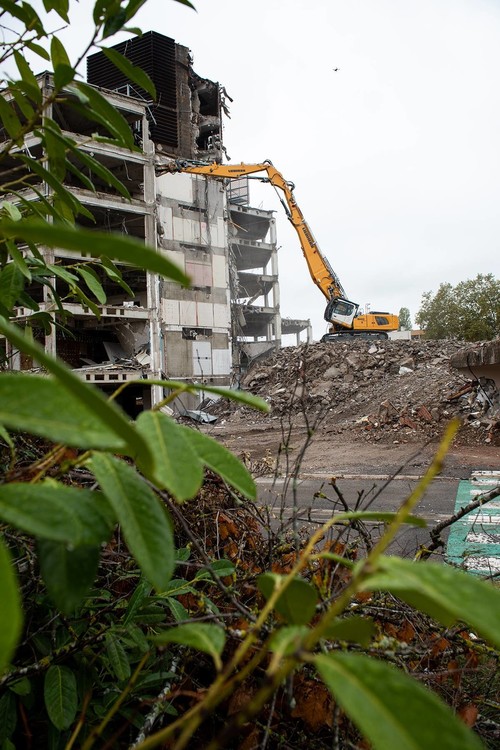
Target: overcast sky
395, 157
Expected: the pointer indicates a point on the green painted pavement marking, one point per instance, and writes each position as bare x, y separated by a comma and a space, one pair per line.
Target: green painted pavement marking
474, 540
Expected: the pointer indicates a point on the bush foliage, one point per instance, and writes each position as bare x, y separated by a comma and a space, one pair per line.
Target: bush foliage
130, 614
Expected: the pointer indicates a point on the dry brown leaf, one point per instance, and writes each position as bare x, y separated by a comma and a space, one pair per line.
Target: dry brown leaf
468, 714
239, 699
314, 704
407, 632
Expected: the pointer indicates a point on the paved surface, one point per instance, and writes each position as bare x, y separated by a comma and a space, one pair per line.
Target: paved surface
314, 500
474, 540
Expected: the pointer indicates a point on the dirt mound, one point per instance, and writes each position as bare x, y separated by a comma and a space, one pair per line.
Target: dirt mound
388, 390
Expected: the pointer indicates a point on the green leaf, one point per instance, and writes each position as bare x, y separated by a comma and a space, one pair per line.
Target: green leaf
223, 567
375, 515
38, 405
179, 612
4, 435
10, 120
91, 279
60, 192
26, 14
67, 573
29, 80
351, 629
391, 709
200, 636
103, 172
111, 417
21, 687
287, 640
63, 273
56, 152
297, 603
115, 246
221, 461
11, 284
61, 7
132, 72
177, 467
60, 695
56, 511
10, 610
8, 716
443, 592
18, 259
38, 50
108, 114
11, 210
114, 274
63, 70
90, 162
144, 521
22, 101
117, 657
177, 587
242, 397
141, 593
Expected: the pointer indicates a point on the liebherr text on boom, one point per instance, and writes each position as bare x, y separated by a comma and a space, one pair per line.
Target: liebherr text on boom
342, 314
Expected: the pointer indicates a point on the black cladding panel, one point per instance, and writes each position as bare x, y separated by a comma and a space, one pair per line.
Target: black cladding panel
155, 54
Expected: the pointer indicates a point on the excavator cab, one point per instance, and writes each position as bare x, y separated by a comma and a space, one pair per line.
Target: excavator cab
341, 312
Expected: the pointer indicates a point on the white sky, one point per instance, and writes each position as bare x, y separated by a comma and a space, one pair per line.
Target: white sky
395, 157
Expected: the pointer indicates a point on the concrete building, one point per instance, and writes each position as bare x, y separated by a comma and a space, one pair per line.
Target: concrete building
230, 314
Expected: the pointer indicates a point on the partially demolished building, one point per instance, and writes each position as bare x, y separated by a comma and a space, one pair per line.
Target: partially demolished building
230, 314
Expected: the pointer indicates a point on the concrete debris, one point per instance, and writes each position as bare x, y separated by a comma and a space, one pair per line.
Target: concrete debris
391, 391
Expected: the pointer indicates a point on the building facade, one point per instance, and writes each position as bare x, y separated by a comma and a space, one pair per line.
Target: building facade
230, 314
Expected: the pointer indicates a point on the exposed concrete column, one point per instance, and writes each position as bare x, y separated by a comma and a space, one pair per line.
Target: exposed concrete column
152, 280
50, 344
276, 285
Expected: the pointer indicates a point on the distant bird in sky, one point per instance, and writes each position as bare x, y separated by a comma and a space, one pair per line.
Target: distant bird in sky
335, 69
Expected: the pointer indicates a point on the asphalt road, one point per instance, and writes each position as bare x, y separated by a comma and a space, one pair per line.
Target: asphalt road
314, 500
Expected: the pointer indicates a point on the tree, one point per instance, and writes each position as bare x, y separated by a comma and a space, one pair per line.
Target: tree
404, 319
470, 311
91, 659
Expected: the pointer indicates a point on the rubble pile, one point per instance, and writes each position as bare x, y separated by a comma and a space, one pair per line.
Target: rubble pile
385, 390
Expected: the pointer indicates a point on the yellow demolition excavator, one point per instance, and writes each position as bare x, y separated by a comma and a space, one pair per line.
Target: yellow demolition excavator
343, 315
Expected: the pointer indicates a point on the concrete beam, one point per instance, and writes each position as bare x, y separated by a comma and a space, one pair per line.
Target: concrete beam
479, 360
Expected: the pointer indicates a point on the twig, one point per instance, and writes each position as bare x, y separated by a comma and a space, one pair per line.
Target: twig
435, 534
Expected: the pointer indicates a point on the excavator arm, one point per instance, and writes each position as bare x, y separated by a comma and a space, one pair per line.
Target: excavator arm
321, 272
340, 312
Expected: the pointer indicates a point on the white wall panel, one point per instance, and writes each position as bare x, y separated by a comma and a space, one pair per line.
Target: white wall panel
178, 229
202, 358
205, 314
188, 313
176, 186
165, 219
221, 232
170, 312
221, 316
221, 361
175, 257
220, 271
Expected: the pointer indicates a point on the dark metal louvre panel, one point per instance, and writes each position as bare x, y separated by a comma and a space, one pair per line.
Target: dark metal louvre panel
163, 128
155, 54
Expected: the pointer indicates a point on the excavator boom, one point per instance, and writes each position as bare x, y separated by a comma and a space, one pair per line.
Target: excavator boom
340, 312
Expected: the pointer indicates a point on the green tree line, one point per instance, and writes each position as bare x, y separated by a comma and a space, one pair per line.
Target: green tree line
469, 311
